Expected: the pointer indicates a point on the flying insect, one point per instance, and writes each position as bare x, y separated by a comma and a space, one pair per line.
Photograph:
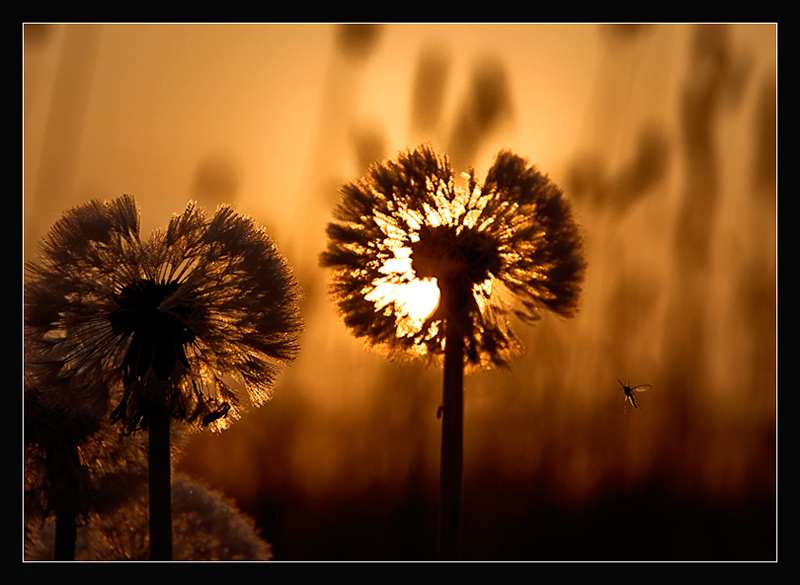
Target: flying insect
631, 391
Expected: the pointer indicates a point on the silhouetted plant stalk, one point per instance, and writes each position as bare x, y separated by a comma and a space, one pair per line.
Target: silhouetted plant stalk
452, 450
56, 479
191, 325
160, 491
69, 454
66, 511
424, 268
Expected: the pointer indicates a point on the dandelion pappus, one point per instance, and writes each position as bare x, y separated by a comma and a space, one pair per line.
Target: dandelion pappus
630, 391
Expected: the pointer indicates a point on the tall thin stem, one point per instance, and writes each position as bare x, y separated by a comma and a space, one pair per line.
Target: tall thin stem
160, 487
66, 536
452, 455
67, 486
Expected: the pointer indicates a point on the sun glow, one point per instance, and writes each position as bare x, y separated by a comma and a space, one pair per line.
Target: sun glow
402, 292
412, 300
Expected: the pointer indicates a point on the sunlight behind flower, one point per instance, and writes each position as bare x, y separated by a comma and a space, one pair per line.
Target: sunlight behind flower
414, 297
511, 238
414, 300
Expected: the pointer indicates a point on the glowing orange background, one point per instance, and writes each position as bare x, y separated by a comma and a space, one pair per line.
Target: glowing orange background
663, 135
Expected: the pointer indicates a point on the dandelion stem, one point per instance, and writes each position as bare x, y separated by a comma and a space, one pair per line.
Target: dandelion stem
65, 513
66, 533
160, 487
452, 455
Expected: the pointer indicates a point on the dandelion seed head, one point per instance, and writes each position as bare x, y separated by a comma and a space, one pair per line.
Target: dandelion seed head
197, 318
510, 245
207, 526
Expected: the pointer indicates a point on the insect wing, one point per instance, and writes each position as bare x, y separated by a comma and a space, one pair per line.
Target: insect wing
630, 391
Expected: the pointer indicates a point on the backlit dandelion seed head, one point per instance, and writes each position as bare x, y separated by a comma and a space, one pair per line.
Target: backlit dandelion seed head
197, 318
208, 526
407, 230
